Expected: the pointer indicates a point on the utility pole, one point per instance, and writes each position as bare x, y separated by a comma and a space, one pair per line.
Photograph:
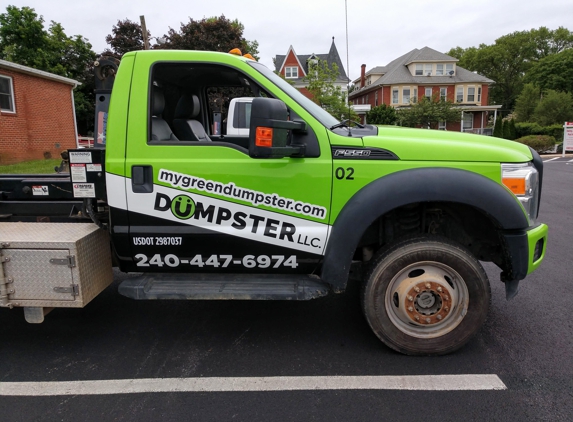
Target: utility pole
144, 31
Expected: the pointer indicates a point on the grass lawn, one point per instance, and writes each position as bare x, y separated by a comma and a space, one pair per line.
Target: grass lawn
31, 167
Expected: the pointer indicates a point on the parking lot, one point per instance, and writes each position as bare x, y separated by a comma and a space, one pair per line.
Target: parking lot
210, 361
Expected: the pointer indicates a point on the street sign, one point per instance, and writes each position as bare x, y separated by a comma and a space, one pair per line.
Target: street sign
567, 137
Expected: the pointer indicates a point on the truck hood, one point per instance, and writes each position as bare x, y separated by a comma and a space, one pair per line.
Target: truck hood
439, 145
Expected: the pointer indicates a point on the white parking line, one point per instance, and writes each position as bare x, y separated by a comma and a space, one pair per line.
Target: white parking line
551, 159
163, 385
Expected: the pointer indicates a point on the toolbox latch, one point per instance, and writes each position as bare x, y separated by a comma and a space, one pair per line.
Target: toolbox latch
73, 290
70, 261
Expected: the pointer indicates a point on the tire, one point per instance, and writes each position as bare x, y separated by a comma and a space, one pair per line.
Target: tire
425, 296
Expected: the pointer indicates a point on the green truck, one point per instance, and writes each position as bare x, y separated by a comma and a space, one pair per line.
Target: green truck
285, 210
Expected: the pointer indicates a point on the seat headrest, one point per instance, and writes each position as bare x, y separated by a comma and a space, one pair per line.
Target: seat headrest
158, 101
187, 107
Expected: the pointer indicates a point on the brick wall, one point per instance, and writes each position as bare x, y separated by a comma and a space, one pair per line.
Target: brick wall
43, 125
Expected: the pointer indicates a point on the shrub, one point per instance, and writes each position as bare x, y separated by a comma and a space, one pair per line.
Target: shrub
539, 143
525, 129
498, 128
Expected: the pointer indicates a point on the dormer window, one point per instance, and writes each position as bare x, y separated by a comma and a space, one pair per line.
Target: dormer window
428, 69
419, 69
291, 72
450, 69
440, 69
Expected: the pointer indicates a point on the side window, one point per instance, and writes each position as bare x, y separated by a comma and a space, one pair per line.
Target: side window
196, 102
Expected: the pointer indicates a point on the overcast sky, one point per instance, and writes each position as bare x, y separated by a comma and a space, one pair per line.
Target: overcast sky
378, 31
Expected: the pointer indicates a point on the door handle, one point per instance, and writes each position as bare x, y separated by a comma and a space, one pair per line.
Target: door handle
142, 179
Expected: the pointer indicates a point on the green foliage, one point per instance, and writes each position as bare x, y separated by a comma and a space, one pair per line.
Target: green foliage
553, 72
511, 57
512, 132
320, 79
505, 129
498, 128
539, 143
554, 107
24, 40
525, 129
428, 113
382, 115
210, 34
526, 103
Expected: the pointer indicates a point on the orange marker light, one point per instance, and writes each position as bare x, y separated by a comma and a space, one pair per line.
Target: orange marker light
516, 185
264, 137
248, 56
236, 52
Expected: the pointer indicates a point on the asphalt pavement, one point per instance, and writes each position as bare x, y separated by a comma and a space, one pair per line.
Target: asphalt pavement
526, 342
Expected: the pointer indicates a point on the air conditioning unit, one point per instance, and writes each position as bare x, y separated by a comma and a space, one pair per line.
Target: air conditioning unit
429, 74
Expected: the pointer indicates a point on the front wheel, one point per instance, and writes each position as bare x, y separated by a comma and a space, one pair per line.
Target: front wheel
425, 296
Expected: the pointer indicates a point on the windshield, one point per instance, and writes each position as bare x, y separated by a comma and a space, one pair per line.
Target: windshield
318, 112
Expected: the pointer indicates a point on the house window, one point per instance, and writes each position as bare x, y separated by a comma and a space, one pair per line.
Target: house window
415, 97
428, 69
6, 95
375, 98
460, 94
419, 69
449, 68
468, 121
442, 125
479, 94
394, 96
471, 94
428, 93
439, 69
443, 93
405, 95
291, 72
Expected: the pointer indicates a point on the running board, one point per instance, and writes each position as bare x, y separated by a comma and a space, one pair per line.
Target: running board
224, 287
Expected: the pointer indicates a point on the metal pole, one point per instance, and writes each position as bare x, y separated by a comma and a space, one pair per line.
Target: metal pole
144, 32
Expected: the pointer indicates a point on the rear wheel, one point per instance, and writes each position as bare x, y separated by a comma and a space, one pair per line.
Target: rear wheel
425, 296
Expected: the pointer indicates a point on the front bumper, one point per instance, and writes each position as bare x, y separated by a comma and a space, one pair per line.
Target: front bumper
525, 252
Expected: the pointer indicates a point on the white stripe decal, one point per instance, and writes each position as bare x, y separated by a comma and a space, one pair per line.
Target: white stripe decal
162, 385
116, 196
233, 219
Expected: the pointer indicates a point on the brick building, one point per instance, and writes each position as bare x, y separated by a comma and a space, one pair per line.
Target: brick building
294, 67
427, 72
37, 114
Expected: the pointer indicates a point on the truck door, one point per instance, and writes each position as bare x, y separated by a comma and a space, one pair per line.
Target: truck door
201, 204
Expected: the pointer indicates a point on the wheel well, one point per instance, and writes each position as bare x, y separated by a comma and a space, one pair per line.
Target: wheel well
461, 223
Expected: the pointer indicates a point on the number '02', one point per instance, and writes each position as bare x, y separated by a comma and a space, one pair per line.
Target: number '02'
342, 173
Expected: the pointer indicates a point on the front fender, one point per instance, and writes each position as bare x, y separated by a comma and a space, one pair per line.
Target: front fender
406, 187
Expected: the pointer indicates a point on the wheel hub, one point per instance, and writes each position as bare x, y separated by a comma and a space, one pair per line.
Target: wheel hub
428, 303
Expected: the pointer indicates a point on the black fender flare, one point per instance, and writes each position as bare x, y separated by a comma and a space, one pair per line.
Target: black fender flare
406, 187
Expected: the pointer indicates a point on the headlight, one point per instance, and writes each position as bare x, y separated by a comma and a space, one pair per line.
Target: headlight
523, 180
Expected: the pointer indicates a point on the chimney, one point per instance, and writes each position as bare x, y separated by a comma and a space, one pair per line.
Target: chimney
362, 76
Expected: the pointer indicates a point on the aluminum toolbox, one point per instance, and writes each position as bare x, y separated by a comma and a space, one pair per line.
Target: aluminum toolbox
47, 265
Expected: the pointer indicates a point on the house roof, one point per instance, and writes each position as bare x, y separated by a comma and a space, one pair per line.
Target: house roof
331, 57
39, 73
396, 72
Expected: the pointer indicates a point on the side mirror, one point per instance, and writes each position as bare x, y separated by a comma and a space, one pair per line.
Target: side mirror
269, 130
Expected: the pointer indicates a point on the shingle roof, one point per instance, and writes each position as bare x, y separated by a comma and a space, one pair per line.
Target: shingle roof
331, 57
397, 71
40, 73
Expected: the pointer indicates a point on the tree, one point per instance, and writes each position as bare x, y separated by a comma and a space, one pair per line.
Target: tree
554, 107
320, 79
210, 34
24, 40
429, 112
512, 132
505, 129
498, 128
382, 115
526, 103
125, 36
511, 57
553, 72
